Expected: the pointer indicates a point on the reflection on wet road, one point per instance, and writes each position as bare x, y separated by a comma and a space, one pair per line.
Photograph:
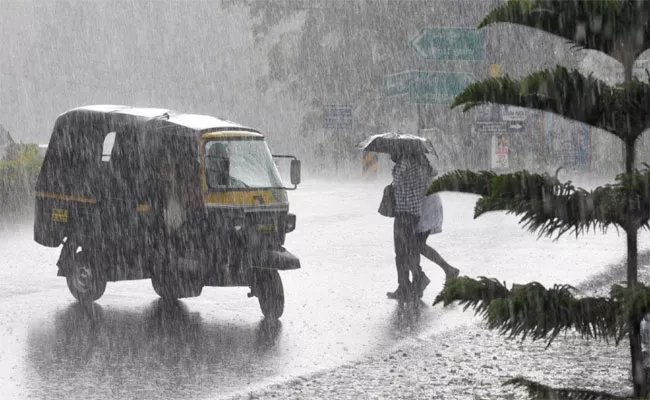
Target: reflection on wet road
167, 350
162, 351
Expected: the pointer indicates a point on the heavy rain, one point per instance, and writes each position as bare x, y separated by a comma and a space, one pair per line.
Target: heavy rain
324, 199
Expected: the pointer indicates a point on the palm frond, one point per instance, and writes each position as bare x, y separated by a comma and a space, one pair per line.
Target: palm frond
463, 181
592, 24
512, 191
620, 110
539, 391
567, 208
533, 311
471, 293
635, 302
551, 208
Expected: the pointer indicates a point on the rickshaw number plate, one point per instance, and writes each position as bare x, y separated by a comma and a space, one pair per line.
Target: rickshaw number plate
59, 215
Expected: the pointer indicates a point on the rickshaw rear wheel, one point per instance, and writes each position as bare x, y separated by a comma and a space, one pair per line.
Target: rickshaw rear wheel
270, 293
84, 280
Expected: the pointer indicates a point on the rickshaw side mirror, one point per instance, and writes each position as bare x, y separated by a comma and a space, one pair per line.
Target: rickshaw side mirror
295, 172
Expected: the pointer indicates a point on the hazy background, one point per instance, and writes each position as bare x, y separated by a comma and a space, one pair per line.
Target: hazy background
272, 65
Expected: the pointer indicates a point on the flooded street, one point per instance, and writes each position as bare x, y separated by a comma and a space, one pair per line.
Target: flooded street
132, 345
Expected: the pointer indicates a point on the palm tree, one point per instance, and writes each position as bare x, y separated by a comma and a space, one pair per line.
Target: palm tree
619, 29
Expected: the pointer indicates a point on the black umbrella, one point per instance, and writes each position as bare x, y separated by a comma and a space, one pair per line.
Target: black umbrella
397, 142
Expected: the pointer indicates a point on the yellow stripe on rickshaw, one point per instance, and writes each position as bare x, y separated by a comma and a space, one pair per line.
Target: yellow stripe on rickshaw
245, 197
65, 197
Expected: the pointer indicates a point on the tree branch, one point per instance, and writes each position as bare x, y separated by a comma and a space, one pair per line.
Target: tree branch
620, 110
552, 208
533, 311
538, 391
581, 22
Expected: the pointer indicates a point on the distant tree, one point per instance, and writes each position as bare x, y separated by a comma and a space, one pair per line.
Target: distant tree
18, 172
621, 30
339, 51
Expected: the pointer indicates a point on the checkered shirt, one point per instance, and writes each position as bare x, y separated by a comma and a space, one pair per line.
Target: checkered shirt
410, 181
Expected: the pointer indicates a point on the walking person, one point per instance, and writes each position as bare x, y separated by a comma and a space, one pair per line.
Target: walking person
416, 218
411, 177
404, 200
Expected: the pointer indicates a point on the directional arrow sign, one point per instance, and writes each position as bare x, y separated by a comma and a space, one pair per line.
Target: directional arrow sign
514, 114
516, 126
396, 84
449, 44
437, 87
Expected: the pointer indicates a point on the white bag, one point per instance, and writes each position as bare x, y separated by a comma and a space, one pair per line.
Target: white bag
431, 219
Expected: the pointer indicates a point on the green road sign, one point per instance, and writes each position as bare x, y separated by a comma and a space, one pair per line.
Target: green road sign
437, 87
397, 84
426, 87
449, 44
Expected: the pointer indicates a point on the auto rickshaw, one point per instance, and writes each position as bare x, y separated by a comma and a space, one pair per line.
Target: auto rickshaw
184, 200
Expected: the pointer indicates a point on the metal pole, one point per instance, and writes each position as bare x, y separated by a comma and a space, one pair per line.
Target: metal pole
420, 122
337, 151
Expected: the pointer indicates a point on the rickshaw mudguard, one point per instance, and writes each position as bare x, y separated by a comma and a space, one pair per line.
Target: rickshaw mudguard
280, 259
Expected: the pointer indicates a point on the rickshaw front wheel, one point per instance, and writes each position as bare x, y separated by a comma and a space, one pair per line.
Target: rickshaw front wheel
84, 281
270, 293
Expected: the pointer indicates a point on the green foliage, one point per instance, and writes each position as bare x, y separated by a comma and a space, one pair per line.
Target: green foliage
596, 25
18, 173
463, 181
620, 110
635, 302
621, 29
472, 293
552, 208
538, 391
533, 311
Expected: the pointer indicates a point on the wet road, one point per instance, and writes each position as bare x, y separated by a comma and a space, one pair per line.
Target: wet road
132, 346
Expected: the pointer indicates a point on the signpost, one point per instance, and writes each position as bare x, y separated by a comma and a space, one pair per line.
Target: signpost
337, 117
500, 150
449, 44
569, 144
510, 113
438, 87
498, 127
499, 120
396, 84
427, 87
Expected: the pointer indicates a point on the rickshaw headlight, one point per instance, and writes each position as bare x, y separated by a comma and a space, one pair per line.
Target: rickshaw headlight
290, 225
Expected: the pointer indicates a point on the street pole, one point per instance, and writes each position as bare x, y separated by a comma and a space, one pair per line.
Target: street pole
420, 121
337, 150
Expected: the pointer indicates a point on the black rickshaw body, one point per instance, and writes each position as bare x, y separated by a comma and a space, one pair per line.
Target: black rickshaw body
132, 193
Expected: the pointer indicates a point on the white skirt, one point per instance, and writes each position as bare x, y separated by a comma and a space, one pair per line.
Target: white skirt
431, 218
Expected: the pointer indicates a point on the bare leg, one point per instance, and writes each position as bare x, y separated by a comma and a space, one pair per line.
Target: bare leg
430, 253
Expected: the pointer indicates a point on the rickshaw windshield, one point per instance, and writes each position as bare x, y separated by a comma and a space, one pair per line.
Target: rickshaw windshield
240, 164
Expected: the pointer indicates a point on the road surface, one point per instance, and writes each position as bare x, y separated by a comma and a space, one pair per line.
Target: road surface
131, 346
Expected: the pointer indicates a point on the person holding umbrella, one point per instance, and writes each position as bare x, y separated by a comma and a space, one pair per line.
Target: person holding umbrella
412, 175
